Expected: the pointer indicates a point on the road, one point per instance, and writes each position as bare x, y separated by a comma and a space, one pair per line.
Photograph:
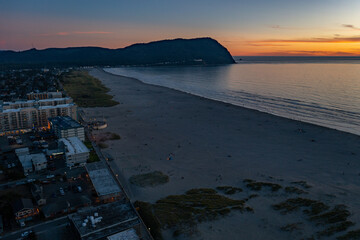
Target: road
39, 228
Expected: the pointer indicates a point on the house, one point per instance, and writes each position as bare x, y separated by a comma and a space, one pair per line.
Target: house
26, 163
39, 161
38, 194
24, 210
22, 151
30, 162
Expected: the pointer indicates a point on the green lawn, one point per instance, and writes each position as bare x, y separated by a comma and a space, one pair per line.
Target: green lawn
86, 90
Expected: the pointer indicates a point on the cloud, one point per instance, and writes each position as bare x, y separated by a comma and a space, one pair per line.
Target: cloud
335, 39
274, 26
92, 32
266, 44
62, 33
74, 33
350, 26
309, 53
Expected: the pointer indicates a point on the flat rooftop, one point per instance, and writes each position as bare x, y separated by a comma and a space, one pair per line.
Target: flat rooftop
74, 145
38, 158
101, 178
129, 234
64, 122
40, 108
115, 217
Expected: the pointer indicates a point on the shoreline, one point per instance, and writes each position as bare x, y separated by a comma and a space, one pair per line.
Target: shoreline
217, 144
227, 103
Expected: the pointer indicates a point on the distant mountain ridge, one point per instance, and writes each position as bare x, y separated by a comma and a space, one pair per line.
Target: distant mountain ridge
166, 52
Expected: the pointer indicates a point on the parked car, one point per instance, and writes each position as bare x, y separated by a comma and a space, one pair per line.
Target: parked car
25, 234
79, 189
61, 190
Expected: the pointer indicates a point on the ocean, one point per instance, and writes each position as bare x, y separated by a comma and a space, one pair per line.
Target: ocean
321, 90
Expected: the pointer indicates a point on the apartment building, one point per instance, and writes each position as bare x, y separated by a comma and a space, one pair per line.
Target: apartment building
24, 115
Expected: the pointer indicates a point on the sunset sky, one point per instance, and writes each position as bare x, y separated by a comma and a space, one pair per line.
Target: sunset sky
256, 27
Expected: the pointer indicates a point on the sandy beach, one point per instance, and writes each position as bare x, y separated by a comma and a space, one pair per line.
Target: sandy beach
214, 144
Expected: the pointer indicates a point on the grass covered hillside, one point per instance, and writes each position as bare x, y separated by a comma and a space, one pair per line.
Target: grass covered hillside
86, 90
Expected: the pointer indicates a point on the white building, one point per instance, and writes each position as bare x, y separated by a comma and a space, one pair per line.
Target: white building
29, 162
39, 161
66, 127
76, 153
26, 163
22, 151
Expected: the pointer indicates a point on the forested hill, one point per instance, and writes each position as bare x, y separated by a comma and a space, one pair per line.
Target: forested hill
166, 52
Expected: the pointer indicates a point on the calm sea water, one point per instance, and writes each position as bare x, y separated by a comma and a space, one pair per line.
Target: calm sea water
323, 91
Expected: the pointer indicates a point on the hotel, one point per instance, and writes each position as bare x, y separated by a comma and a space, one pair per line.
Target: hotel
25, 115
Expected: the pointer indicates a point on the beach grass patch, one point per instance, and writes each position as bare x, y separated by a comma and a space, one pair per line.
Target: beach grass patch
313, 207
151, 179
333, 220
302, 184
338, 214
86, 90
103, 145
114, 136
257, 186
196, 205
294, 190
291, 227
93, 157
182, 213
145, 211
228, 190
335, 228
352, 235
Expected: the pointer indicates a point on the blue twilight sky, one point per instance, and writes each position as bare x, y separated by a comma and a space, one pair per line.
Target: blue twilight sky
259, 27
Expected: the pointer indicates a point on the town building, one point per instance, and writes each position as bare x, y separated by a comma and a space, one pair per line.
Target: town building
39, 161
38, 194
43, 95
76, 153
105, 186
24, 210
22, 151
64, 206
65, 127
93, 223
31, 162
129, 234
26, 163
25, 115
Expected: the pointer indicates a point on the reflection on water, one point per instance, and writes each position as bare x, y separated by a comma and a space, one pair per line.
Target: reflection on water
326, 94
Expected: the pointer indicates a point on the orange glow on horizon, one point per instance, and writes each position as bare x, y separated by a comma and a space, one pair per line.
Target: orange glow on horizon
341, 47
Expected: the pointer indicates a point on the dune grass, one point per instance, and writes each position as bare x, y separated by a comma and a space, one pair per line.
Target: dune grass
86, 90
151, 179
333, 219
228, 190
257, 186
